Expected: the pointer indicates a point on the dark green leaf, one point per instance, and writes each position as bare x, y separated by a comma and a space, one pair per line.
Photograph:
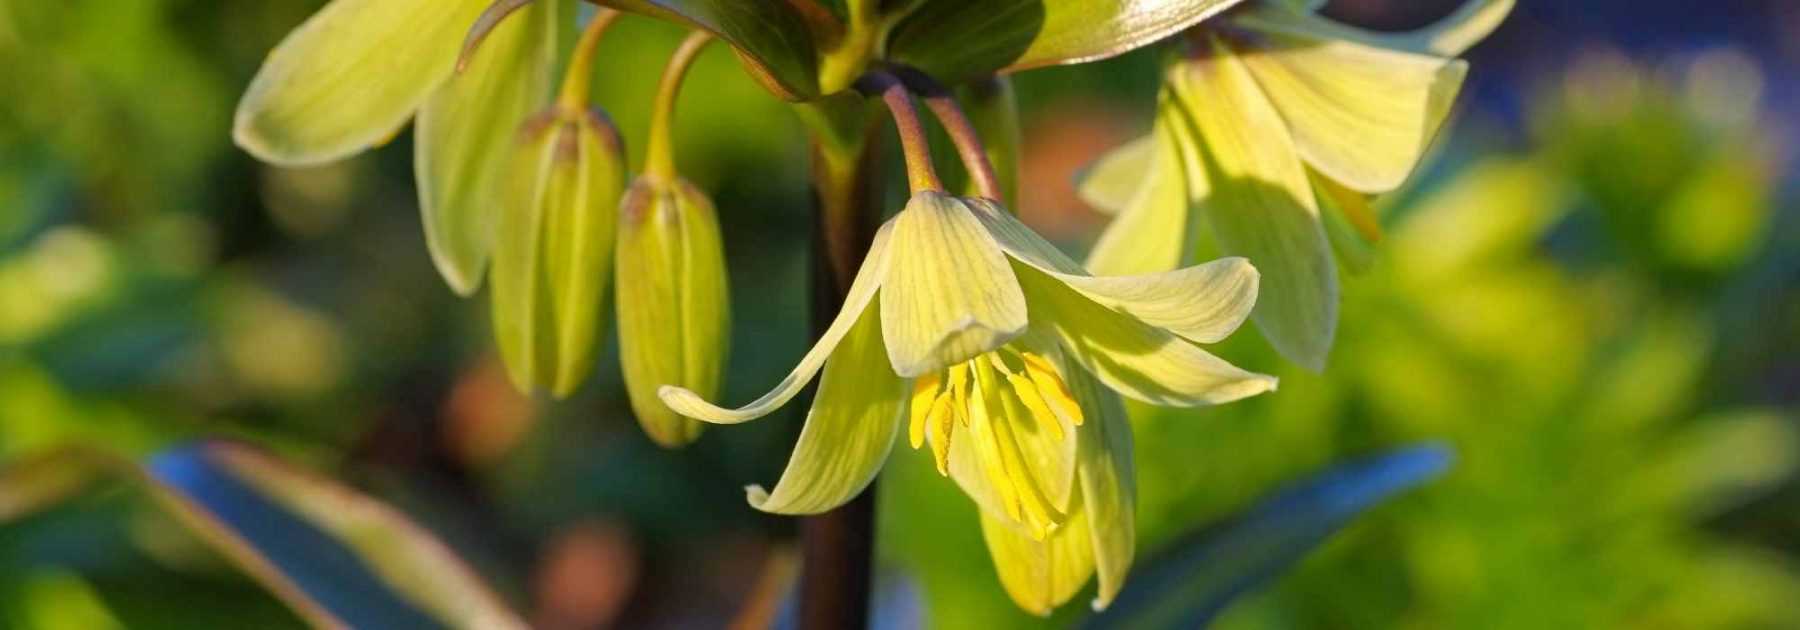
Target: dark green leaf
1196, 578
955, 40
775, 40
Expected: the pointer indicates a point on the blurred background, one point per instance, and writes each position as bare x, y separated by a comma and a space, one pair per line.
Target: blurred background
1591, 291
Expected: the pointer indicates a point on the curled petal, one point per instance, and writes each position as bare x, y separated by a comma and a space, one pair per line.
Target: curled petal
1040, 575
862, 292
852, 426
1203, 303
1132, 357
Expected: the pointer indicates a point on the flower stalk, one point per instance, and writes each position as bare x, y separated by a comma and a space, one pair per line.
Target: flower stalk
920, 174
969, 147
659, 156
573, 95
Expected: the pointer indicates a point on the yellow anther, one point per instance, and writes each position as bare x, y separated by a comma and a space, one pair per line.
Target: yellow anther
959, 386
941, 423
1051, 385
1040, 412
925, 390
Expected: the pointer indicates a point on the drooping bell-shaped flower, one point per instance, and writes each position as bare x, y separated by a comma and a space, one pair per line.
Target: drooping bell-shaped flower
969, 333
1274, 126
356, 72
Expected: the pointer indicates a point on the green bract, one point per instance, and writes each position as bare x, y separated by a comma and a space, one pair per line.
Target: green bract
554, 252
674, 314
1003, 343
1272, 113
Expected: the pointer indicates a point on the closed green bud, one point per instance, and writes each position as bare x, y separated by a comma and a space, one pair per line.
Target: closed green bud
673, 301
554, 248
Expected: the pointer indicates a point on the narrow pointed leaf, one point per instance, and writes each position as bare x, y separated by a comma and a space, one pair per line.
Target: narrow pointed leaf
337, 557
958, 39
773, 39
1191, 582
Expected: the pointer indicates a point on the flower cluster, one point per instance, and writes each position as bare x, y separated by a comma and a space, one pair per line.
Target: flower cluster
963, 330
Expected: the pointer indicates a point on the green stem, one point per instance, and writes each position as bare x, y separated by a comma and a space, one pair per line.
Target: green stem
962, 132
659, 155
573, 97
920, 174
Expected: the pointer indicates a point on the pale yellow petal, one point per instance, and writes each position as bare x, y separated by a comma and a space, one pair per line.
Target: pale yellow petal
350, 77
862, 292
1260, 205
852, 426
1040, 575
464, 134
1134, 358
1111, 182
1153, 231
1203, 303
1359, 114
948, 294
1107, 480
1448, 37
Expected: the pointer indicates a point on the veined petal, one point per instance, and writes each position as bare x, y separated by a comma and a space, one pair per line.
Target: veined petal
856, 303
1153, 230
524, 322
464, 133
1448, 37
1040, 575
1107, 480
1109, 184
1360, 114
948, 294
1132, 357
1261, 206
1203, 303
848, 433
349, 77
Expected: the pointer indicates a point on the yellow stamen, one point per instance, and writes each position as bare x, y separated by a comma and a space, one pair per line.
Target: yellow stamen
988, 451
959, 385
1051, 385
925, 390
941, 422
1040, 412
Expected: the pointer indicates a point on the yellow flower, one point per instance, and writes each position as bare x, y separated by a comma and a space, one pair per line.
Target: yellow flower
1272, 113
356, 72
998, 345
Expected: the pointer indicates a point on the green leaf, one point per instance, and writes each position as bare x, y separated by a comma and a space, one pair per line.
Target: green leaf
775, 40
1194, 579
337, 557
955, 40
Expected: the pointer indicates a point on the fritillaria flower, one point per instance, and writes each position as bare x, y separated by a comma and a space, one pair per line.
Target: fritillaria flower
1274, 126
966, 332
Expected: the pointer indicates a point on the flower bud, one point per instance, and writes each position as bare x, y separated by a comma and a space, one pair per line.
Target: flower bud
554, 248
673, 304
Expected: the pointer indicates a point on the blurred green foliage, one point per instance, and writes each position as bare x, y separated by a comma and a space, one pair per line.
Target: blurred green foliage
1600, 315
